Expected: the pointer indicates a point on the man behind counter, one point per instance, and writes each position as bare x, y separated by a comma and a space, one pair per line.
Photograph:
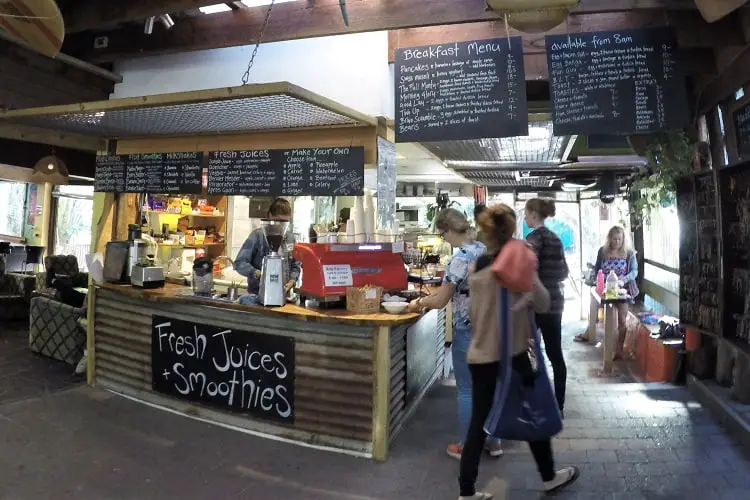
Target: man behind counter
250, 259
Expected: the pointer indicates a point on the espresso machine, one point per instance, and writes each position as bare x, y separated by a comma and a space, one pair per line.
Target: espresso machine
272, 273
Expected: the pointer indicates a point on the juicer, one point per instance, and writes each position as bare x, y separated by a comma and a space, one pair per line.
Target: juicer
272, 274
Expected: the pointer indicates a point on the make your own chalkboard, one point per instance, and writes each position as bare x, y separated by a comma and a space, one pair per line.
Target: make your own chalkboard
741, 121
463, 90
734, 183
332, 171
610, 82
246, 372
177, 173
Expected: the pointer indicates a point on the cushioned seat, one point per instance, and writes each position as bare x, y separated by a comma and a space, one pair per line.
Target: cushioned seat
54, 330
15, 294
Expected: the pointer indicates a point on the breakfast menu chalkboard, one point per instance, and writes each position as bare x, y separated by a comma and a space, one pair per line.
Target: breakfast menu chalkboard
332, 171
741, 120
611, 82
463, 90
178, 173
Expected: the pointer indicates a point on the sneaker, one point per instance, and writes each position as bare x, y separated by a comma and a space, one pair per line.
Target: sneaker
454, 451
494, 448
563, 477
478, 496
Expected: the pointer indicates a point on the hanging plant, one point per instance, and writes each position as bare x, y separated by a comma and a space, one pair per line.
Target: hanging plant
670, 157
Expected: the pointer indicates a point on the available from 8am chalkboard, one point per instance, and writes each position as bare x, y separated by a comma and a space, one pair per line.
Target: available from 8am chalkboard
241, 371
463, 90
616, 82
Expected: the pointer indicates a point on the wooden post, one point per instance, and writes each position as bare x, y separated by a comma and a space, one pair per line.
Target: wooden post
610, 337
381, 384
90, 343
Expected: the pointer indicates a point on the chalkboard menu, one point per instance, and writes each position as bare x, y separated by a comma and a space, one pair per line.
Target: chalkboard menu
741, 119
463, 90
109, 176
246, 372
707, 238
178, 173
610, 82
734, 183
338, 171
688, 259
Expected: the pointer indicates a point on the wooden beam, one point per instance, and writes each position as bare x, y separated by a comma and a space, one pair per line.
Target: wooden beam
296, 20
38, 135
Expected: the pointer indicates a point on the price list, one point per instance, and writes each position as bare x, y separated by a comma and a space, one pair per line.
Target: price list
611, 82
110, 174
464, 90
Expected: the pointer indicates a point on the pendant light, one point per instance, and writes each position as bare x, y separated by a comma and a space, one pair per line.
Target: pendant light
533, 16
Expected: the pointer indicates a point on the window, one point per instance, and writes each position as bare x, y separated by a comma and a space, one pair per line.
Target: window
74, 210
723, 135
13, 196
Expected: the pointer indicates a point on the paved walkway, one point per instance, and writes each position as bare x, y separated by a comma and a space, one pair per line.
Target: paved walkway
632, 442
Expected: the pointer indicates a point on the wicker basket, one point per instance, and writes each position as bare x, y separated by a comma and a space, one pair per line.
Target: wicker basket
363, 300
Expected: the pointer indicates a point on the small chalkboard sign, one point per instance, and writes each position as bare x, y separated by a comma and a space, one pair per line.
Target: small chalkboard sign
246, 372
610, 82
462, 90
741, 119
177, 173
332, 171
109, 176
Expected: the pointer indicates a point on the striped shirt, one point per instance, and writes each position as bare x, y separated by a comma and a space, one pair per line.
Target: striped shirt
553, 269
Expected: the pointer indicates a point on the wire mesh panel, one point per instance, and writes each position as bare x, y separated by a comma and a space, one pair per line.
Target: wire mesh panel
266, 112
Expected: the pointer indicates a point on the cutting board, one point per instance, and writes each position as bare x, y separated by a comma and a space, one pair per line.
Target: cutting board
713, 10
36, 23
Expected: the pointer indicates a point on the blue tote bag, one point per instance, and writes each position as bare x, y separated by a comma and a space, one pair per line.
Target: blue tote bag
521, 413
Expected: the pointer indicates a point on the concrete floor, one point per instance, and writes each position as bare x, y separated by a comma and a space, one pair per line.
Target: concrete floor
632, 441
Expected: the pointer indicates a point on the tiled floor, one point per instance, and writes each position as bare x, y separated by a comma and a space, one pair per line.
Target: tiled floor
23, 374
631, 441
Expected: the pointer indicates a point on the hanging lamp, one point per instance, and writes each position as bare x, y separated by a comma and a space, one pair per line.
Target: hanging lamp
533, 16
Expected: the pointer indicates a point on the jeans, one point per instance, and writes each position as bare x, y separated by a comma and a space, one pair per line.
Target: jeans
551, 327
459, 351
484, 382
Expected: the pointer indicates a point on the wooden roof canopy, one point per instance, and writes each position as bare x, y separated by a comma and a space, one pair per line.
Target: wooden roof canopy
248, 108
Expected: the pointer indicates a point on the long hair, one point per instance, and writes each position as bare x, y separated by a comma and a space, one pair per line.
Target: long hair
609, 249
498, 224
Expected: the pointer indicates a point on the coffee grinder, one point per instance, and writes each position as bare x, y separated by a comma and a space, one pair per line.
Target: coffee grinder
272, 274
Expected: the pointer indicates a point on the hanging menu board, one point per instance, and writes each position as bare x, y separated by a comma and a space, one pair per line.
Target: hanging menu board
109, 176
178, 173
246, 372
689, 268
734, 183
338, 171
464, 90
610, 82
741, 119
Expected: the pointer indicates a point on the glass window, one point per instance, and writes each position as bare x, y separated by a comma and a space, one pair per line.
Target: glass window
13, 196
74, 212
661, 237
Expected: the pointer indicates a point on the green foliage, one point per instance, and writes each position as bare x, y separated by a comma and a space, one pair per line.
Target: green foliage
669, 157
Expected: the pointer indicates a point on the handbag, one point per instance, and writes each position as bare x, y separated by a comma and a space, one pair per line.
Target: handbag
521, 413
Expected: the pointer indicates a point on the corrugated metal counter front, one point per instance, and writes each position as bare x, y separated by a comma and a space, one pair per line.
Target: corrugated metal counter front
338, 382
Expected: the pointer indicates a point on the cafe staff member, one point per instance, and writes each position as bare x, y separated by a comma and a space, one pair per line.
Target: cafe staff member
250, 259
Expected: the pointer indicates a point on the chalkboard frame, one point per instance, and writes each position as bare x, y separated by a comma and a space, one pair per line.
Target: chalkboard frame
491, 125
676, 117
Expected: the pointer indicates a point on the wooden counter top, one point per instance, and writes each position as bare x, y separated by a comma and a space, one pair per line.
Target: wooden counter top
169, 294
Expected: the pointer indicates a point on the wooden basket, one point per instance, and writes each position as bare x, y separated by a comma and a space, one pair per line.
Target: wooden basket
364, 300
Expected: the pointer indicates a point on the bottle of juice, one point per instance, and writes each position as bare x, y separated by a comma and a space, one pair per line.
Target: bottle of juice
600, 282
612, 285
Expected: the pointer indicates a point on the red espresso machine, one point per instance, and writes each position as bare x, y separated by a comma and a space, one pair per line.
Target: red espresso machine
329, 268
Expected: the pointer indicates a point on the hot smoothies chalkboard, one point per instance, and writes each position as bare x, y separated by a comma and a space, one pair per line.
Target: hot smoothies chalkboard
463, 90
330, 171
246, 372
178, 173
611, 82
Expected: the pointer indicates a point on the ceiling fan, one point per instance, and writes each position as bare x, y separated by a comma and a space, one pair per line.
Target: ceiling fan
35, 23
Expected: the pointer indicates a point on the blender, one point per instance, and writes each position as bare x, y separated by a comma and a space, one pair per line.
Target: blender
203, 277
272, 272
